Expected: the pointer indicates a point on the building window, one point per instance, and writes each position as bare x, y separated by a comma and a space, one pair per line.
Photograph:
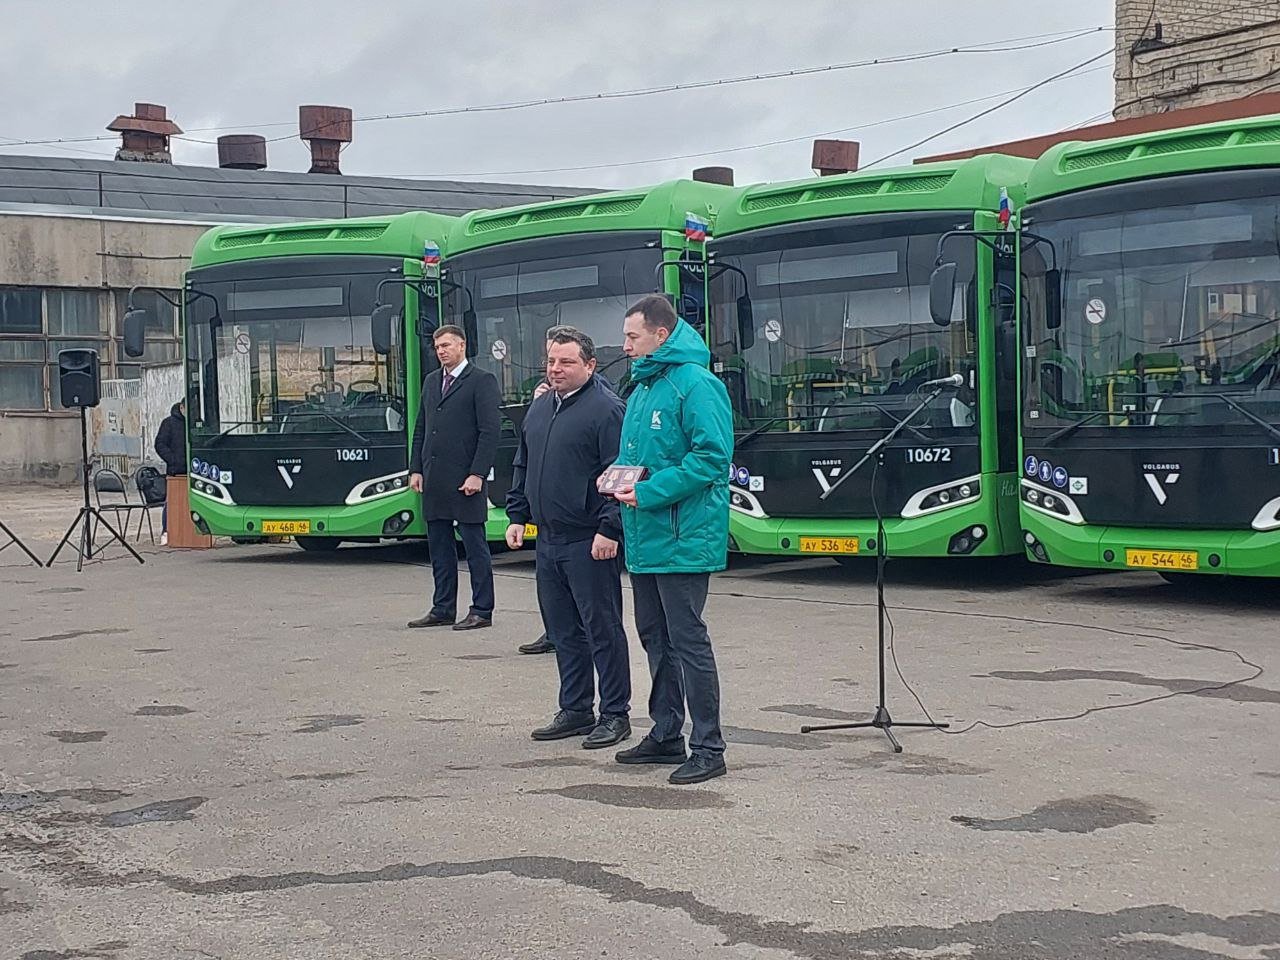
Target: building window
74, 313
162, 316
22, 386
20, 310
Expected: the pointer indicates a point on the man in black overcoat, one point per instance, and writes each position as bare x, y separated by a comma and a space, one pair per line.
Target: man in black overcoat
454, 445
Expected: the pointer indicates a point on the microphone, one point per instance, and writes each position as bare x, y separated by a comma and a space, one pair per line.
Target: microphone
955, 380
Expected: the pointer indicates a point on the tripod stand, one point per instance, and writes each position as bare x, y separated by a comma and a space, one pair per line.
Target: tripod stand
89, 516
13, 538
881, 720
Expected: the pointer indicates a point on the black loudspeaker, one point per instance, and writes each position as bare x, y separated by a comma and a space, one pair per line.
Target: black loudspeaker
79, 379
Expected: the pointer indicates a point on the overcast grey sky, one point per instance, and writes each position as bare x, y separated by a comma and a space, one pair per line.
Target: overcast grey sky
68, 68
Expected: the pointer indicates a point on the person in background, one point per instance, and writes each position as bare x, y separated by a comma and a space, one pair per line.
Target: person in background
171, 447
676, 528
454, 445
569, 436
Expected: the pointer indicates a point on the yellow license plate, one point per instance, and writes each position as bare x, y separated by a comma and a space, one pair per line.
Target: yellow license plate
828, 544
1162, 559
530, 529
288, 527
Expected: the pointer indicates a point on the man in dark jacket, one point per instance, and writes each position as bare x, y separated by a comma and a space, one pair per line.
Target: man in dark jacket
454, 444
171, 447
569, 436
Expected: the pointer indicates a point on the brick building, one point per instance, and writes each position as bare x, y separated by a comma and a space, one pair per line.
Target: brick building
1172, 54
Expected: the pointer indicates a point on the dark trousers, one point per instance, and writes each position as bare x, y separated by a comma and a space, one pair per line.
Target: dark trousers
444, 568
581, 603
681, 662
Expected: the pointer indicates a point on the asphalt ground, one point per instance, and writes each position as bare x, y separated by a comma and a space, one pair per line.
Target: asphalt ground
242, 752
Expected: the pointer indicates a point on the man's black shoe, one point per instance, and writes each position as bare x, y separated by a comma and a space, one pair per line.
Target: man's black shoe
697, 769
608, 731
431, 620
566, 724
473, 622
649, 750
541, 645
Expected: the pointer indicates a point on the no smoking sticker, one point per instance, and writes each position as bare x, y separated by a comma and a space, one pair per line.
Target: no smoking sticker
242, 343
1095, 311
773, 331
499, 349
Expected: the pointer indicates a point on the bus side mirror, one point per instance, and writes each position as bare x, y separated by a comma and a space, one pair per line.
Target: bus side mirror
469, 328
746, 323
1053, 298
135, 331
380, 321
942, 293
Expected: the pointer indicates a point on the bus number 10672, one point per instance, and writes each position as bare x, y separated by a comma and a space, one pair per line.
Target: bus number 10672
929, 455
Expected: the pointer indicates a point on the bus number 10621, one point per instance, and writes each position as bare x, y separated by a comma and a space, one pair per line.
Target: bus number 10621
351, 454
929, 455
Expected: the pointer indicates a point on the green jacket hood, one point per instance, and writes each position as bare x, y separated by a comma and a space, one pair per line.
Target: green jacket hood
683, 346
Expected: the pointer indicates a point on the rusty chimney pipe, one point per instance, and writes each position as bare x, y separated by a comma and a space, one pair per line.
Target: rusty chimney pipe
325, 129
721, 175
242, 151
144, 135
835, 156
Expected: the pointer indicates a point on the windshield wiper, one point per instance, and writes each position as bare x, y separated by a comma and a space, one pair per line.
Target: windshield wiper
227, 432
1242, 410
329, 416
1071, 428
739, 444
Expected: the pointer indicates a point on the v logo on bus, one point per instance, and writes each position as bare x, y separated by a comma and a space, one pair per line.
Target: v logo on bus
1159, 489
287, 473
822, 476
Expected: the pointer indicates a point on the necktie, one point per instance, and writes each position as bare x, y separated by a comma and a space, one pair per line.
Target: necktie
448, 382
559, 400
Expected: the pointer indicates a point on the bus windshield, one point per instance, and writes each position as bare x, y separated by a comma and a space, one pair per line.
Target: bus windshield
291, 354
821, 328
1169, 317
512, 294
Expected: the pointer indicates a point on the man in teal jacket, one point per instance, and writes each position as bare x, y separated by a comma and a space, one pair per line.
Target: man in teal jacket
675, 525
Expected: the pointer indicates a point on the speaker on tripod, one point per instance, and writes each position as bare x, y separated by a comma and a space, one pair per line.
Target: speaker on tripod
80, 387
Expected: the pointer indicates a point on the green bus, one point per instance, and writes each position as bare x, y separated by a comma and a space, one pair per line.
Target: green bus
1151, 334
822, 331
511, 274
299, 412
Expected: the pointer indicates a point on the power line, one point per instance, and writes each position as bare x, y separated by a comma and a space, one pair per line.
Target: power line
723, 150
1012, 44
982, 113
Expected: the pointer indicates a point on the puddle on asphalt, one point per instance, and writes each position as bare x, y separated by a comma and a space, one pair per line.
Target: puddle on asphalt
77, 736
323, 722
643, 798
1072, 815
162, 811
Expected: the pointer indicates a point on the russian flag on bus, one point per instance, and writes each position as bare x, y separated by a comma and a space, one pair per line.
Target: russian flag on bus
431, 252
1005, 213
695, 228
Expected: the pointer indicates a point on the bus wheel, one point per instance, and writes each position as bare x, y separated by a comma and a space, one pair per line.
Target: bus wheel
318, 544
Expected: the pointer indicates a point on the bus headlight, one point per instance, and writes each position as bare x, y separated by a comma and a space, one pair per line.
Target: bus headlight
211, 489
1268, 517
1052, 502
378, 487
955, 493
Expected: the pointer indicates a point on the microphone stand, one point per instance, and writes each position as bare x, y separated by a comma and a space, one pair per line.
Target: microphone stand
881, 720
13, 538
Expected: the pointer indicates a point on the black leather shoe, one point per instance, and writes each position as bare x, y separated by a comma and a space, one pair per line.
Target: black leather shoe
541, 645
697, 769
566, 724
472, 622
431, 620
608, 731
649, 750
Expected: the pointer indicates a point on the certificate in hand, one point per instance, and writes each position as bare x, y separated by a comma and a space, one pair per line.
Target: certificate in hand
618, 477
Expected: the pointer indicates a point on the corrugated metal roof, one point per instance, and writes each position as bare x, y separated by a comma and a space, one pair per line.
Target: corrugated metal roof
122, 187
